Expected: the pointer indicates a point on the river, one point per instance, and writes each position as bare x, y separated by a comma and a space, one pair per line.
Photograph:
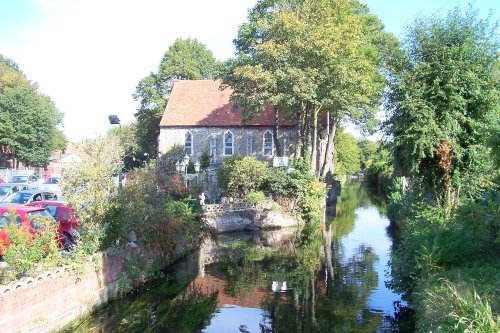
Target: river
323, 278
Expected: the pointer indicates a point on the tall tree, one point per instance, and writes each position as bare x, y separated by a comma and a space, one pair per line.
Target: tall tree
309, 56
185, 59
28, 120
347, 154
443, 104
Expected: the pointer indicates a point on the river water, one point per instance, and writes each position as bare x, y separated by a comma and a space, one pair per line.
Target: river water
325, 278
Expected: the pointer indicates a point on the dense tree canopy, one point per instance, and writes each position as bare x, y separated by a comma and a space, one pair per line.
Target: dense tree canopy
347, 154
444, 106
28, 119
303, 57
186, 59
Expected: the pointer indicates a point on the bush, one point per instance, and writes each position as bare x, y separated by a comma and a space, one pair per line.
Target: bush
241, 175
255, 197
91, 190
30, 253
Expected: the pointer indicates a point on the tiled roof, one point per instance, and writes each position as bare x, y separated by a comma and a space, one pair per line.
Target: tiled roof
202, 103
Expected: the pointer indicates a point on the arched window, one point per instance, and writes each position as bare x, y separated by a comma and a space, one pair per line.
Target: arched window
228, 143
268, 145
188, 143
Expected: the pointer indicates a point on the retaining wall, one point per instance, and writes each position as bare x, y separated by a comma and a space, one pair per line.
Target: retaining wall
239, 216
53, 299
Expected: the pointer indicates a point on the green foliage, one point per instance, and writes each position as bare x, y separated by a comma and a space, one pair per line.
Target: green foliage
347, 154
90, 188
30, 253
127, 137
28, 119
241, 175
256, 197
379, 173
443, 104
185, 59
462, 248
456, 308
204, 159
306, 56
367, 151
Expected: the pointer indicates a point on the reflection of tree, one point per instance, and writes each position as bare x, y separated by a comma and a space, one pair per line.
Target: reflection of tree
156, 311
347, 203
325, 302
243, 277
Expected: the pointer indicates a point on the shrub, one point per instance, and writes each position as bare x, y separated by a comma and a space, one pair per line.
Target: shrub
241, 175
29, 253
91, 190
255, 197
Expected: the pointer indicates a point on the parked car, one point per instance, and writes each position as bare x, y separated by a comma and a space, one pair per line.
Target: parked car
64, 215
23, 216
8, 188
51, 184
30, 180
27, 196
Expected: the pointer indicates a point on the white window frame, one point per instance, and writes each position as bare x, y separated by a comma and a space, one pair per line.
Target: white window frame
232, 143
264, 143
192, 143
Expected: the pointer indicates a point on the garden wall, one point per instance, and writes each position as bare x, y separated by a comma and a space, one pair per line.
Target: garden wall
240, 216
53, 299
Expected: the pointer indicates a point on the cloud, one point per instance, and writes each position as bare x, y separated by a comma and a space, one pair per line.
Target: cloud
88, 55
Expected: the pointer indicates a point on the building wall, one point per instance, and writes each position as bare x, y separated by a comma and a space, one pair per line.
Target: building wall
175, 136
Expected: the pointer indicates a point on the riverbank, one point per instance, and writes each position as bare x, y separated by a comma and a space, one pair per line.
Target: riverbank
448, 266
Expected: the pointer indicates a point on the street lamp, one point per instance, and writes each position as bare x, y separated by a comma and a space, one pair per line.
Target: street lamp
114, 120
182, 166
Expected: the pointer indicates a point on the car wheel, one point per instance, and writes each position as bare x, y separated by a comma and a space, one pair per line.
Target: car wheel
69, 242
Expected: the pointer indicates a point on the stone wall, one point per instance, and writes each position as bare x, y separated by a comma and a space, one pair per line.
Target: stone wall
240, 216
175, 136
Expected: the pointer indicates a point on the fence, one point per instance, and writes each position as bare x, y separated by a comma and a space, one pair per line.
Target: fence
6, 174
216, 209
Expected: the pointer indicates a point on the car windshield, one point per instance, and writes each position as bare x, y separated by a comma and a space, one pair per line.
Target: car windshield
19, 198
4, 190
51, 181
34, 218
19, 179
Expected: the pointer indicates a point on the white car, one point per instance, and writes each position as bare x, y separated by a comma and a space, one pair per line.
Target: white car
51, 184
29, 180
28, 196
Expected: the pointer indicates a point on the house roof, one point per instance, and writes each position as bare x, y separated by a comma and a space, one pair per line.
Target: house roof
203, 103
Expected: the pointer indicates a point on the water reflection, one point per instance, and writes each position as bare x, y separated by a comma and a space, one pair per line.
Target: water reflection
322, 278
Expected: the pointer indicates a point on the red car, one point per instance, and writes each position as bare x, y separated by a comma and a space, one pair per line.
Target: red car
63, 214
23, 216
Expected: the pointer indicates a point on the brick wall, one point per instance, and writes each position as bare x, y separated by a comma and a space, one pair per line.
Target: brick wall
53, 299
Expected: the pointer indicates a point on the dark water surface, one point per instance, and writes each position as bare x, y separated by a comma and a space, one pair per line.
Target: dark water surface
328, 278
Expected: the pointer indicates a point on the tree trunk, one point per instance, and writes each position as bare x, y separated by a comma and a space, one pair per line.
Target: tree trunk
314, 148
277, 143
328, 166
300, 134
322, 153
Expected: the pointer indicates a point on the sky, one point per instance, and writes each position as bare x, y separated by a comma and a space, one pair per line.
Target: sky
89, 55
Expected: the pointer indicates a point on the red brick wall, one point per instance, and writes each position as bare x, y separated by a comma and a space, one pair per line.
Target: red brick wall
53, 299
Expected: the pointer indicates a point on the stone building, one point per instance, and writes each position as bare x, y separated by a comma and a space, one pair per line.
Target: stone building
199, 117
